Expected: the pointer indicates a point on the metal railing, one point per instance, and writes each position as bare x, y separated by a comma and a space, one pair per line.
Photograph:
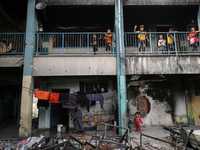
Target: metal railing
95, 43
74, 43
160, 43
12, 43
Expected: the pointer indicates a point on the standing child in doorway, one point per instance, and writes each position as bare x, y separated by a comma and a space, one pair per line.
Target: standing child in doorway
137, 121
142, 36
108, 38
193, 37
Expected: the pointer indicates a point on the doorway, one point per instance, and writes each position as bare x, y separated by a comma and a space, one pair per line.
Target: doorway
58, 114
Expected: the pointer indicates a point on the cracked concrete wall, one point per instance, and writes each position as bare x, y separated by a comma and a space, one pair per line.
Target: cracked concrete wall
75, 65
106, 65
166, 102
163, 64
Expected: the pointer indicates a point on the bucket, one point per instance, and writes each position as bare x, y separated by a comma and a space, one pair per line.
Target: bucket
63, 129
59, 126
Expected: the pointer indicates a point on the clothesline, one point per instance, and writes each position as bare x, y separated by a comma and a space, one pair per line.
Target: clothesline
74, 100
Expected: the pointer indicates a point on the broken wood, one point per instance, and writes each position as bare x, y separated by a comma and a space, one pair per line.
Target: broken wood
174, 144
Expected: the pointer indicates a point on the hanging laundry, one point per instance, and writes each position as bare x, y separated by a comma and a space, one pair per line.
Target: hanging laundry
83, 100
43, 103
54, 97
64, 97
42, 95
93, 103
71, 103
111, 95
95, 97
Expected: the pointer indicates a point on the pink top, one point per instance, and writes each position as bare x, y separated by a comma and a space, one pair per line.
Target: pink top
137, 120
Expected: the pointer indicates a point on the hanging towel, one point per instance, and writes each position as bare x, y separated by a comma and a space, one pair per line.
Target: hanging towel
111, 95
95, 97
54, 97
42, 95
71, 103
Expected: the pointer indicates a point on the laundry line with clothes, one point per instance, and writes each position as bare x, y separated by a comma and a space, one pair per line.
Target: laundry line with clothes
73, 100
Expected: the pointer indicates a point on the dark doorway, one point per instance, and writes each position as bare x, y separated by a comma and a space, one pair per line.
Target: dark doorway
59, 115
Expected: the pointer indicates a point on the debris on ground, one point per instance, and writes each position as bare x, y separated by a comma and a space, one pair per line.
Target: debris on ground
153, 138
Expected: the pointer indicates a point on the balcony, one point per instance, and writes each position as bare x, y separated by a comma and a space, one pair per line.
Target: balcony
83, 43
72, 54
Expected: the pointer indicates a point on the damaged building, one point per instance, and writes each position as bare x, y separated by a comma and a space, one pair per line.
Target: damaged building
49, 46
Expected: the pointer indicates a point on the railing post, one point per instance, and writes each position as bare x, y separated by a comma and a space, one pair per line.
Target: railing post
150, 41
175, 43
63, 36
37, 43
88, 43
80, 40
126, 42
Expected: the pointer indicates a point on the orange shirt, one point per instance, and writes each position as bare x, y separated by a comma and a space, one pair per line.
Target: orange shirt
108, 38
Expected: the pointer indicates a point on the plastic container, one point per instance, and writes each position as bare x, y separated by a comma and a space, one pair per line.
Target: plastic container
59, 126
63, 129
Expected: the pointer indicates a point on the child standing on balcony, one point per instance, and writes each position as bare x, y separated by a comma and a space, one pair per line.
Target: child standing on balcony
170, 40
161, 44
108, 38
137, 121
95, 43
193, 37
142, 38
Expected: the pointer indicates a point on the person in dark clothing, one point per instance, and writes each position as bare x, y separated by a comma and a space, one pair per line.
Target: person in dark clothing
77, 119
95, 43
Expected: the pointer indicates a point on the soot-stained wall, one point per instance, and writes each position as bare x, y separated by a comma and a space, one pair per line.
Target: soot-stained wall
159, 102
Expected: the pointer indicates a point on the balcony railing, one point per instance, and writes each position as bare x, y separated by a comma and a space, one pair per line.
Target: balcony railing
74, 43
12, 43
98, 43
159, 43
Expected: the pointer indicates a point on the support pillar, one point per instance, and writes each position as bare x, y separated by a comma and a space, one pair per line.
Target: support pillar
121, 73
28, 80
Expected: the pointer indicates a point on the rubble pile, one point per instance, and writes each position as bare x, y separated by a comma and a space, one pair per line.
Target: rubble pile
8, 145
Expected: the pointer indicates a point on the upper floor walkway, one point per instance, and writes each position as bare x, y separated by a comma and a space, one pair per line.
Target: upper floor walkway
174, 43
84, 54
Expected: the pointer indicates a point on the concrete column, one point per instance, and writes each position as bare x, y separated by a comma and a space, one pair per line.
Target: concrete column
121, 73
28, 80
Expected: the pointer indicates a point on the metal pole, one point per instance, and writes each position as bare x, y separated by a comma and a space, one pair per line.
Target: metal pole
121, 74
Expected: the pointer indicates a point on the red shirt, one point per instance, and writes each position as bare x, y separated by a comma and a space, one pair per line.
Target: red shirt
195, 36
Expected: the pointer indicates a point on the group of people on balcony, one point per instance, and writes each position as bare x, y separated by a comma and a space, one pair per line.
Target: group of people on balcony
107, 37
142, 37
163, 45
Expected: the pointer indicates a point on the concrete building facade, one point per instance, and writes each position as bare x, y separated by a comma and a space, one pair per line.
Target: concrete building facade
56, 54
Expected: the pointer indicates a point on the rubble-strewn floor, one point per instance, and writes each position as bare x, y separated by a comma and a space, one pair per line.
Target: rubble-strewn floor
10, 132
